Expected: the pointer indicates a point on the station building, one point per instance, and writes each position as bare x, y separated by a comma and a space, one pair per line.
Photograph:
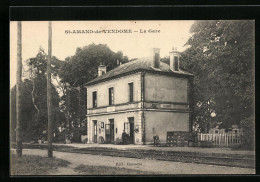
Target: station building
144, 98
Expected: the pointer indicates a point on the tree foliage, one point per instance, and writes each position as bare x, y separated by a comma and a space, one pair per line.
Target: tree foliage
34, 99
248, 137
165, 60
221, 57
82, 67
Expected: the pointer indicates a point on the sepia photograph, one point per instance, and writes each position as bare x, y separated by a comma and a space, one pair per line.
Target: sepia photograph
132, 98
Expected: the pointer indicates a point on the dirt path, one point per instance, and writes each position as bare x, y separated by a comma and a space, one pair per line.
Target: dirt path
159, 167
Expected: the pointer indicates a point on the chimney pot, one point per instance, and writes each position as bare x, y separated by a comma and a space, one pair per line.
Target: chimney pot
156, 57
174, 59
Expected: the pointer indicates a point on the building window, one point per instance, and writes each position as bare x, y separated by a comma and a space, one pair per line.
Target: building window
131, 92
94, 97
176, 63
111, 96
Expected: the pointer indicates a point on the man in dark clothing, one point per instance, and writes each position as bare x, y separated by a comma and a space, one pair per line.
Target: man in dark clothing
155, 140
124, 137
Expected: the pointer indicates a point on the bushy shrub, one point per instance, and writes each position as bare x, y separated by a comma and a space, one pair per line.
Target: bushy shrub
248, 133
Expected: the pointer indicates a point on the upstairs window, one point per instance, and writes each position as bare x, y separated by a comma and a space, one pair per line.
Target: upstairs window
94, 97
176, 63
111, 96
131, 92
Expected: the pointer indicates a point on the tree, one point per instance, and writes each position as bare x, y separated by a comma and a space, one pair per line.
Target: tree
81, 68
248, 135
221, 57
34, 99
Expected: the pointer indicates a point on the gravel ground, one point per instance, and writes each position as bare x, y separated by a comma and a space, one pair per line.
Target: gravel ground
154, 166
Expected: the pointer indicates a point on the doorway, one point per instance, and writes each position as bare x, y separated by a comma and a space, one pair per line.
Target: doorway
95, 130
110, 135
131, 132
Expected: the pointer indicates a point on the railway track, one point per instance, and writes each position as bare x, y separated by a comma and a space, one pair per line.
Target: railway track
232, 160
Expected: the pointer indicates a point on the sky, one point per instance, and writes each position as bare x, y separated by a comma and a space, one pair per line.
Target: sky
159, 34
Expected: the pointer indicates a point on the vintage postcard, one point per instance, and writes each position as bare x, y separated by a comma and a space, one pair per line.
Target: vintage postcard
132, 97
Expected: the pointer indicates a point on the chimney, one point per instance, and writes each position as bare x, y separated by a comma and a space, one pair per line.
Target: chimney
102, 69
174, 59
156, 57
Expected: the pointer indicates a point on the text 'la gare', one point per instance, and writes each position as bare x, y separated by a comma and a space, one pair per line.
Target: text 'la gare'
149, 31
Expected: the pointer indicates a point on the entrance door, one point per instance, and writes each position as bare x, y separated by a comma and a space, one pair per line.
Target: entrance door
95, 131
110, 131
131, 132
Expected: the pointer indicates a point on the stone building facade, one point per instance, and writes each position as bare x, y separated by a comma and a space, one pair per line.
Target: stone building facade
144, 98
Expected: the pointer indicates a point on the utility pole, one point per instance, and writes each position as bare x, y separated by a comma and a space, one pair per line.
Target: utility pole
79, 112
67, 138
19, 144
68, 109
49, 95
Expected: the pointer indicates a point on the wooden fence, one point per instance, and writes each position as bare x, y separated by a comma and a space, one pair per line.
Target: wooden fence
227, 139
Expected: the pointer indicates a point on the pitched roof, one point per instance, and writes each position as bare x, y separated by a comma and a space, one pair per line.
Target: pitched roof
139, 64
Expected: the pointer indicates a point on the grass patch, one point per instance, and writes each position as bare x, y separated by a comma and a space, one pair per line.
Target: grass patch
35, 165
105, 170
243, 147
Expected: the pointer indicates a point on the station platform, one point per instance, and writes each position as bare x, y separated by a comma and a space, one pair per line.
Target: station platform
227, 151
